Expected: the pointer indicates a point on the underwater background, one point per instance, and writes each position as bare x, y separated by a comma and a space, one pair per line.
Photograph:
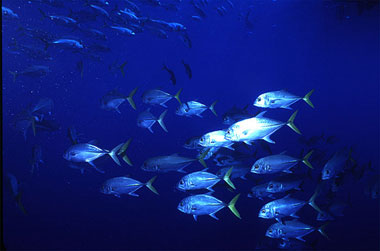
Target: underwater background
238, 50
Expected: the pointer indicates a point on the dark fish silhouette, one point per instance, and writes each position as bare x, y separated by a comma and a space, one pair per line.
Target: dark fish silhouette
172, 76
188, 69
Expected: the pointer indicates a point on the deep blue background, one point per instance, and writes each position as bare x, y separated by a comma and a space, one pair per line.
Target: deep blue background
295, 45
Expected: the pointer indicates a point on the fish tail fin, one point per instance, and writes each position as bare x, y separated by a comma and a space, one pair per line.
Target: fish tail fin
202, 157
227, 179
312, 201
212, 107
112, 154
291, 124
307, 98
121, 67
14, 74
305, 159
321, 230
161, 120
176, 96
122, 151
130, 98
19, 203
150, 186
232, 207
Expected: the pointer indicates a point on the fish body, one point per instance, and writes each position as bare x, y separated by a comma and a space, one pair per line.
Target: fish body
203, 204
187, 69
193, 108
34, 71
274, 164
163, 164
215, 139
260, 192
124, 185
280, 208
284, 183
171, 73
291, 229
226, 160
146, 120
100, 10
280, 99
124, 30
210, 151
158, 97
335, 165
113, 99
71, 43
87, 152
257, 128
198, 180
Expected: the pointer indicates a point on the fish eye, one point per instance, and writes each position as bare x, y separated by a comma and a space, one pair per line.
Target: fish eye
201, 139
181, 203
73, 153
270, 230
263, 211
259, 99
181, 182
327, 171
270, 185
256, 166
229, 132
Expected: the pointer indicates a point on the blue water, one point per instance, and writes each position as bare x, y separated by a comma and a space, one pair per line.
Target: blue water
292, 45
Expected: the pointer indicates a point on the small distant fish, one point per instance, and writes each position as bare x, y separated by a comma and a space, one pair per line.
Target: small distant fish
123, 185
158, 97
281, 99
67, 21
124, 30
278, 163
99, 10
188, 69
171, 73
31, 71
258, 127
292, 229
198, 18
87, 152
8, 13
203, 180
146, 120
113, 99
13, 186
69, 43
186, 39
194, 108
174, 162
203, 204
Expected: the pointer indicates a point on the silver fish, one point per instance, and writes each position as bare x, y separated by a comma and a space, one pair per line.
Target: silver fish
146, 120
203, 204
280, 99
124, 185
158, 97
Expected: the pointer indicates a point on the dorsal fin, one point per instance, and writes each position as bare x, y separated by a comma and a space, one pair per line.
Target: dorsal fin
261, 114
